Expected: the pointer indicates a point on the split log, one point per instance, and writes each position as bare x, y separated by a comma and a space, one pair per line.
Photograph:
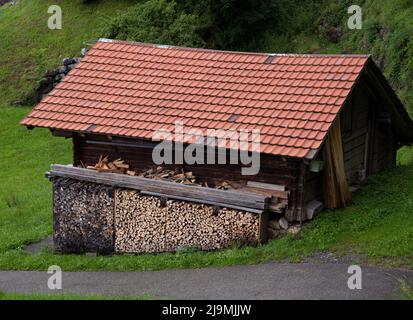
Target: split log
143, 224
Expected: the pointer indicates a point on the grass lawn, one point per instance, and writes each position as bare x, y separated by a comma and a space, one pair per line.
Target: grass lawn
407, 290
58, 296
378, 226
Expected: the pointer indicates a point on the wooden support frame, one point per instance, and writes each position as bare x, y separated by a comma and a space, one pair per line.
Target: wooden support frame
238, 200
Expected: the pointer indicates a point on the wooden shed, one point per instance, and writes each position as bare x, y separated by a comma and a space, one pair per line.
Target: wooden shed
326, 122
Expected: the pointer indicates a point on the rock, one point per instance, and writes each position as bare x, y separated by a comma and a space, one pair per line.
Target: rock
91, 254
62, 69
272, 233
274, 224
283, 223
68, 61
39, 246
313, 208
294, 229
45, 81
3, 2
71, 66
17, 103
45, 89
51, 73
59, 77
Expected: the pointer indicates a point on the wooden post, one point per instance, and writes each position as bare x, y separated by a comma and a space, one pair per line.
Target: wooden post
301, 212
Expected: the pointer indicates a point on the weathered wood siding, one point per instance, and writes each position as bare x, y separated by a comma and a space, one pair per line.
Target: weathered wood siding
354, 126
275, 170
369, 142
313, 187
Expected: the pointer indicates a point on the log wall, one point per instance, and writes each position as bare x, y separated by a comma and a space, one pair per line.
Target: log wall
138, 154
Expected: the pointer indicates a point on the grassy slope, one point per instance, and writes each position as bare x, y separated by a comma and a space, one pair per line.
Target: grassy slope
378, 225
28, 48
24, 193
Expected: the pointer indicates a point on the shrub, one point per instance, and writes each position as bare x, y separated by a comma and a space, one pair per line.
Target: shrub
156, 21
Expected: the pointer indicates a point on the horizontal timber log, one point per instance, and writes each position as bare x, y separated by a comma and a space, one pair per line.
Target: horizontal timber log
204, 201
138, 154
230, 199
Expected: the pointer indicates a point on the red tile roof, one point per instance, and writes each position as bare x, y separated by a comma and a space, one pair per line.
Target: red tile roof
132, 89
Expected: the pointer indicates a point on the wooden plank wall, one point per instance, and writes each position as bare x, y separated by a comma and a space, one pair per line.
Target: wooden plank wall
275, 170
368, 145
384, 154
355, 135
371, 143
314, 186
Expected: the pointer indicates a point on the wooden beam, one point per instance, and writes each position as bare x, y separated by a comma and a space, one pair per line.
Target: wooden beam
268, 186
61, 133
245, 201
216, 205
301, 196
263, 226
122, 144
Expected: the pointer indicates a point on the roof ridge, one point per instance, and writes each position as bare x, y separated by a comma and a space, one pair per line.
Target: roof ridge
165, 46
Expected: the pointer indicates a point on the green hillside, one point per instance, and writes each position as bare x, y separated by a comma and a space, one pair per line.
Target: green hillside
28, 48
378, 226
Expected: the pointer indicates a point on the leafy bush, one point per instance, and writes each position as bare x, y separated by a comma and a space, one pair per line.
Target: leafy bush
156, 21
239, 24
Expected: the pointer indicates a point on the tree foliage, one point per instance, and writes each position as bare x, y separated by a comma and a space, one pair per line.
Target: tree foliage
237, 24
156, 21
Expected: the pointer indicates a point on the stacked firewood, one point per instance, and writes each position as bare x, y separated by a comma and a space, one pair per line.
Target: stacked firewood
177, 175
116, 166
83, 217
144, 224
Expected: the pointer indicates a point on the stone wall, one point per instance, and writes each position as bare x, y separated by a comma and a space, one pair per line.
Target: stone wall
53, 77
2, 2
